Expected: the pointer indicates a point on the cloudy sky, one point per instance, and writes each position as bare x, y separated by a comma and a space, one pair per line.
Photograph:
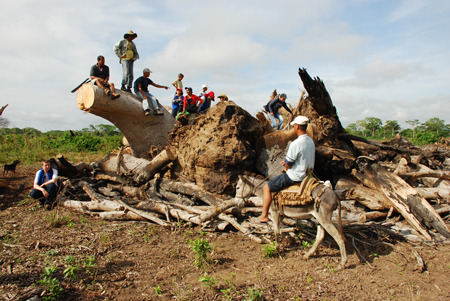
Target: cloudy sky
378, 58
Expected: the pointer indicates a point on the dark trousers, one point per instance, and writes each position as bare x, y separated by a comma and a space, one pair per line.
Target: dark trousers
52, 189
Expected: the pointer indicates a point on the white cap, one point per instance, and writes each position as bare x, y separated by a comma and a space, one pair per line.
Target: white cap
147, 70
205, 86
300, 120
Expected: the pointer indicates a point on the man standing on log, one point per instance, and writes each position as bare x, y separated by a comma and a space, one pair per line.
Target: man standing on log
100, 76
44, 186
273, 108
299, 159
141, 90
126, 51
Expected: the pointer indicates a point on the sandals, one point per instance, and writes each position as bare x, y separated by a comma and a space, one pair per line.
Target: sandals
107, 91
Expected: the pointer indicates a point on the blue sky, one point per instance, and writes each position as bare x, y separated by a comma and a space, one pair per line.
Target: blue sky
385, 59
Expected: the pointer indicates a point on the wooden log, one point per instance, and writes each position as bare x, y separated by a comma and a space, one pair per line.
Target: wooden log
99, 202
434, 193
154, 166
127, 114
137, 192
164, 208
434, 174
95, 205
114, 178
4, 183
372, 215
108, 192
266, 125
443, 210
119, 216
407, 201
128, 163
216, 210
144, 214
188, 189
372, 199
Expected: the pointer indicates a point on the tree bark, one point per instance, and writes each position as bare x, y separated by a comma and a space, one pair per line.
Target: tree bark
154, 166
188, 189
127, 114
407, 201
372, 199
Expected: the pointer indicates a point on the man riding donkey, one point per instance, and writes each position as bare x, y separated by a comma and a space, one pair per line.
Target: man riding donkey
299, 160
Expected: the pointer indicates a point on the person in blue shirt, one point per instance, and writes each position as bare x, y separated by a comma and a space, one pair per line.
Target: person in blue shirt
177, 102
141, 90
273, 107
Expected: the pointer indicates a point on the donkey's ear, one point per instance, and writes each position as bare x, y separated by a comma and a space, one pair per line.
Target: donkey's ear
240, 177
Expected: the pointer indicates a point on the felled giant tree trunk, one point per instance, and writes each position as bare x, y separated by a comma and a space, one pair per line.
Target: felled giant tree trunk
127, 114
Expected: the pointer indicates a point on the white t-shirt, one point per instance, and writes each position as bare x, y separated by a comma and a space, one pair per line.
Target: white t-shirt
55, 175
302, 153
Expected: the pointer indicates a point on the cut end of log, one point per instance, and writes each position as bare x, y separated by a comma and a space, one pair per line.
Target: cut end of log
85, 97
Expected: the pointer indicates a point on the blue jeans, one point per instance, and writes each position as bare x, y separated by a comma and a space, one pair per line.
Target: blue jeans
274, 120
52, 189
151, 101
127, 66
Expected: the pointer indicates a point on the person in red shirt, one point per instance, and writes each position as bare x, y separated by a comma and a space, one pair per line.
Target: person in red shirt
191, 102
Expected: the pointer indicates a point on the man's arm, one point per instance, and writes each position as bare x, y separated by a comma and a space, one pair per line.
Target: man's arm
287, 107
287, 164
144, 96
117, 47
159, 86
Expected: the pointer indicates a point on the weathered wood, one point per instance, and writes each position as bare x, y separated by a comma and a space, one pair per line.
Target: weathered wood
165, 208
188, 189
372, 199
372, 215
95, 205
98, 202
407, 201
434, 174
434, 193
144, 214
119, 216
216, 210
119, 159
154, 166
128, 163
127, 114
114, 178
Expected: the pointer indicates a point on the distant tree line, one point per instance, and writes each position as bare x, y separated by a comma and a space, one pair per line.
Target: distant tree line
428, 132
31, 145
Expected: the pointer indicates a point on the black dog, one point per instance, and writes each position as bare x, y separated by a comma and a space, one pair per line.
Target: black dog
10, 168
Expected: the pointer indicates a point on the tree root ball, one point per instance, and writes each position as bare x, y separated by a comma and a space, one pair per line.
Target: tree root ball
218, 147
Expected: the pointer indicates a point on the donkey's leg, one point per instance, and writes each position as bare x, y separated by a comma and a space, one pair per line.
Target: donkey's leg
331, 229
275, 217
319, 237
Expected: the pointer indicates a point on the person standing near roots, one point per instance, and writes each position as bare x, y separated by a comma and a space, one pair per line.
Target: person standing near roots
273, 107
203, 93
126, 51
141, 90
44, 185
299, 159
100, 77
178, 84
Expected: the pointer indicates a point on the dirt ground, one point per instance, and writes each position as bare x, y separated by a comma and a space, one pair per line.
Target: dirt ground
142, 261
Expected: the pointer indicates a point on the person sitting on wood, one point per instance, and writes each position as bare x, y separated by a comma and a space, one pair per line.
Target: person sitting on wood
299, 159
190, 103
141, 90
208, 97
273, 106
100, 77
45, 186
177, 102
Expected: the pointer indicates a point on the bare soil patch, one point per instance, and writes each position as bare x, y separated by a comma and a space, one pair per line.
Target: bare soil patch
142, 261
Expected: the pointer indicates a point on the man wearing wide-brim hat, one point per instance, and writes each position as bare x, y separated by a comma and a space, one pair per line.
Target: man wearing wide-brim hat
126, 51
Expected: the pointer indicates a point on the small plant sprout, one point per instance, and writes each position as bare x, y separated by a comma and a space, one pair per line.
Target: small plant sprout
270, 250
208, 281
158, 290
201, 248
71, 272
254, 294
